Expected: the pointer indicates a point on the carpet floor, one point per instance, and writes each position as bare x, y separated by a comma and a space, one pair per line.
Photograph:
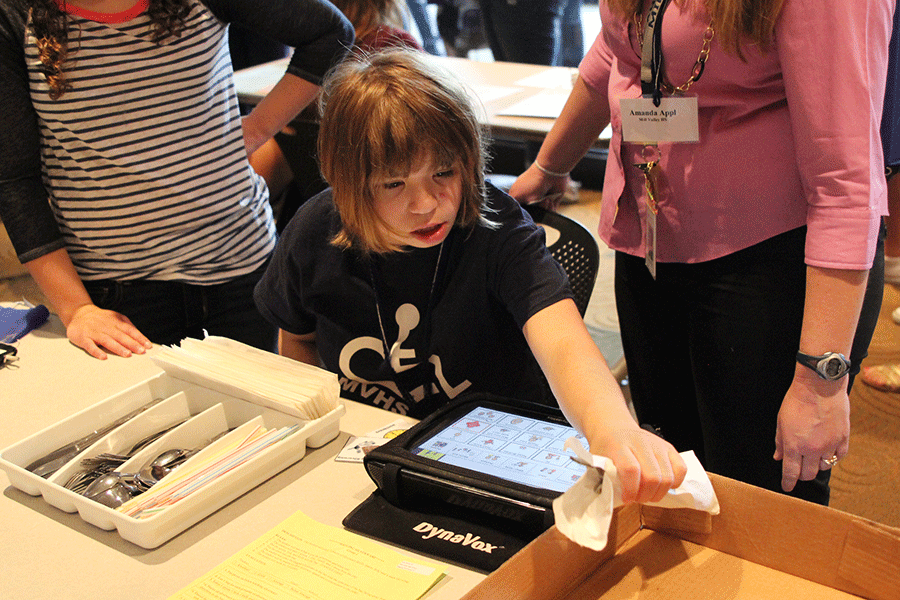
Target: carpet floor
867, 481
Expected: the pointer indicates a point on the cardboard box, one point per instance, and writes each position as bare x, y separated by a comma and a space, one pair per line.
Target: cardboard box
761, 545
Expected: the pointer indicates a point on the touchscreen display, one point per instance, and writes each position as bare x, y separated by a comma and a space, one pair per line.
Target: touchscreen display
513, 447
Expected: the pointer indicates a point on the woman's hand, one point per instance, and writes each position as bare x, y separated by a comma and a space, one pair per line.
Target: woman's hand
813, 426
92, 328
647, 465
273, 113
814, 419
534, 186
87, 326
254, 137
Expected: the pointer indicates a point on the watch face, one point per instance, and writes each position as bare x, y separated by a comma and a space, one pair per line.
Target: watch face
833, 367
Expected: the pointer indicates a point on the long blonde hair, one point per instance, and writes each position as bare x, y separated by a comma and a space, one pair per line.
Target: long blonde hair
51, 28
736, 21
379, 114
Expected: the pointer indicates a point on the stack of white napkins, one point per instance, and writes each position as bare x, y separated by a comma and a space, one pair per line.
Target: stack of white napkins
584, 512
254, 375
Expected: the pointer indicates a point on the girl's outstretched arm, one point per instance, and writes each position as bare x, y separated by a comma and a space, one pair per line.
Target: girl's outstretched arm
593, 403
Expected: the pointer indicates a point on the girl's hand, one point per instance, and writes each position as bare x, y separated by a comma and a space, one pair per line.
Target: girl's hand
91, 328
647, 465
813, 425
592, 402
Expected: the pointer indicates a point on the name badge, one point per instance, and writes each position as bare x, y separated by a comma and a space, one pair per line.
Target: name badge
674, 120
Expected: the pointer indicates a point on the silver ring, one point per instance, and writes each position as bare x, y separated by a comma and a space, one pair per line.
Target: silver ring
831, 461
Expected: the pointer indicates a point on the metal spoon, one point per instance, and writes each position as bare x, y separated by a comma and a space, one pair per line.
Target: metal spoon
113, 489
107, 462
162, 465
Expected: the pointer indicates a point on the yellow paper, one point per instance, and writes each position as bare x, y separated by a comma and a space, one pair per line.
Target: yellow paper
301, 558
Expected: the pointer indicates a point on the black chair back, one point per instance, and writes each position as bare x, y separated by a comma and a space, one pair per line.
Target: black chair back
576, 250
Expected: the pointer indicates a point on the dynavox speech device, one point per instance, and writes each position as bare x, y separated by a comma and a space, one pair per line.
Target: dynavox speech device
490, 455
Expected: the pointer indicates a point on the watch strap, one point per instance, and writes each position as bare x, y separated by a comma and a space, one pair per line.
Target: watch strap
816, 364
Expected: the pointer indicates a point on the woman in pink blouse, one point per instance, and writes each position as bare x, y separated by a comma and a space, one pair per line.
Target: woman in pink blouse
743, 195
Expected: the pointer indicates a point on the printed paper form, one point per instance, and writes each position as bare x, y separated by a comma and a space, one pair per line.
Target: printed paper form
304, 559
546, 104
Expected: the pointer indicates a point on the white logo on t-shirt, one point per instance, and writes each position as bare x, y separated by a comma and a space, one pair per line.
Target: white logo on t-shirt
407, 317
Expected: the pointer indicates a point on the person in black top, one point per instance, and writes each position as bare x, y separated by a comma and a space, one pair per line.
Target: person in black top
417, 282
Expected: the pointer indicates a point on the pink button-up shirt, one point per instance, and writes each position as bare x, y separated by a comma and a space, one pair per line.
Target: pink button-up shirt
788, 137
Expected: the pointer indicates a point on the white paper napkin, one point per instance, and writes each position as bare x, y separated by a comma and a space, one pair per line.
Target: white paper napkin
584, 512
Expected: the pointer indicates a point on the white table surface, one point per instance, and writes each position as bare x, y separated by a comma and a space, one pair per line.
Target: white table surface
507, 95
46, 553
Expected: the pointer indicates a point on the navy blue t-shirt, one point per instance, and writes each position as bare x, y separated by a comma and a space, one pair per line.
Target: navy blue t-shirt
453, 314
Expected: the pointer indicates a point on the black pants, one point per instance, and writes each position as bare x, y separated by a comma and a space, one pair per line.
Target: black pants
710, 349
169, 311
526, 31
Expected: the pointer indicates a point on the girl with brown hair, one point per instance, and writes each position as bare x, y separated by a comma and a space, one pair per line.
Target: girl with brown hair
416, 282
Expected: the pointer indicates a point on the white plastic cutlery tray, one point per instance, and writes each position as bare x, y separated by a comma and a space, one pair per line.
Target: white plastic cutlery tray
193, 415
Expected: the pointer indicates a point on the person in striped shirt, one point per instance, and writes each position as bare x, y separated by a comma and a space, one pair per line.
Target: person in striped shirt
125, 183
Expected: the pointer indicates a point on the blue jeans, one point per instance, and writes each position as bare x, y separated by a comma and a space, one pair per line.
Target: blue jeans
711, 349
169, 311
572, 35
431, 39
525, 31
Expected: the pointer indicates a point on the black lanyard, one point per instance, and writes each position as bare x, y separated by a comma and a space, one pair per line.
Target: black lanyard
651, 52
423, 372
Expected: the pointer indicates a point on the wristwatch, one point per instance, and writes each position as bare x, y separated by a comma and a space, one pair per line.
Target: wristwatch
830, 366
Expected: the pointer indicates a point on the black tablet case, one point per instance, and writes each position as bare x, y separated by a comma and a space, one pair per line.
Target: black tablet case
451, 533
464, 539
